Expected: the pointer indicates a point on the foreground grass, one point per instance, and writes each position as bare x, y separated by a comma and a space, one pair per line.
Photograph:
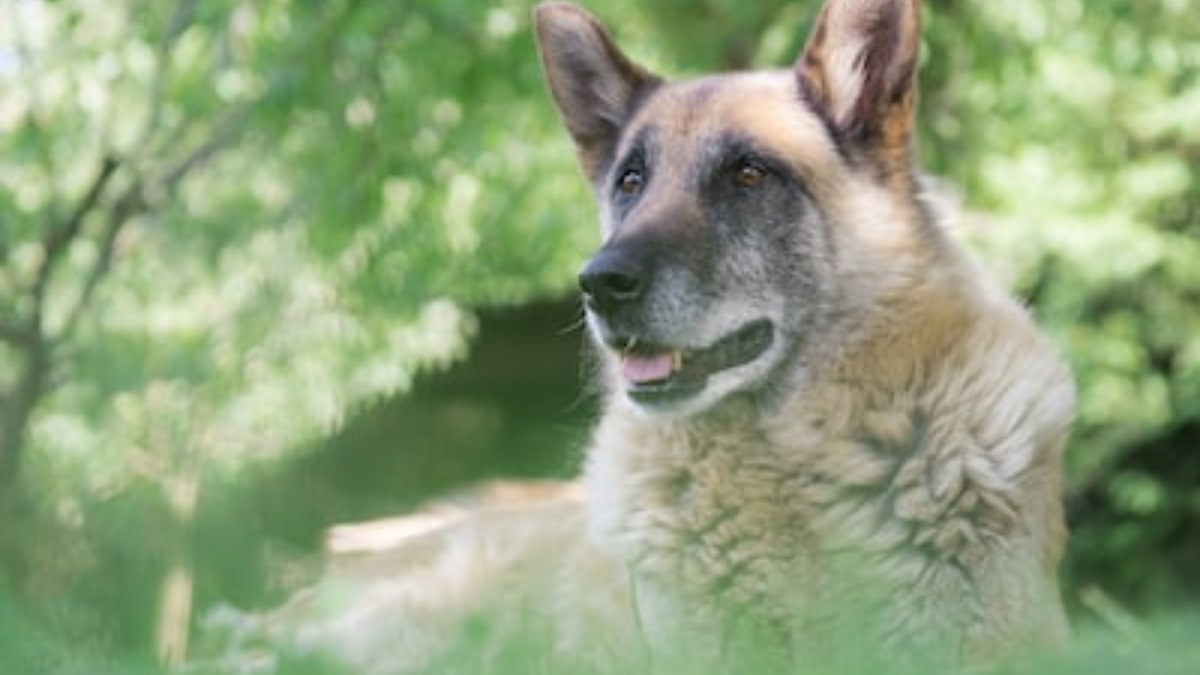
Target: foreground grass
1166, 645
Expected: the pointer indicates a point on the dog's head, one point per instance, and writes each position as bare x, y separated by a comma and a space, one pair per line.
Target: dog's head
744, 214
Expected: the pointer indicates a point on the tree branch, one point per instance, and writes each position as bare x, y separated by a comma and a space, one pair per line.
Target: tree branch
133, 201
130, 202
126, 206
56, 240
221, 135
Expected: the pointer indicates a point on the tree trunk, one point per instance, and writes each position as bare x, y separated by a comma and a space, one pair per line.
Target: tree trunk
175, 595
16, 411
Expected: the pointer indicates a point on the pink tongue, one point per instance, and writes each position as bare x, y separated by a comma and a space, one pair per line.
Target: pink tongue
640, 369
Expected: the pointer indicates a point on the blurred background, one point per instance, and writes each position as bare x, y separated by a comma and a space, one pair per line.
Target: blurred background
270, 266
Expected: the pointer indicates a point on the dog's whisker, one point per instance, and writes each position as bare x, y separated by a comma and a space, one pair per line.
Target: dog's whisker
575, 325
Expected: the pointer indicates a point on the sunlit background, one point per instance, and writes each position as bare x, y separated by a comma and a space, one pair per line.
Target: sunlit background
271, 266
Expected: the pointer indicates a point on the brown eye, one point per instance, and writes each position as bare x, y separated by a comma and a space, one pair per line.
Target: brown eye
750, 175
630, 182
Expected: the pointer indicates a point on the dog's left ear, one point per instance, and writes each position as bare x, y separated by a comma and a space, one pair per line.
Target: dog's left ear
858, 71
593, 83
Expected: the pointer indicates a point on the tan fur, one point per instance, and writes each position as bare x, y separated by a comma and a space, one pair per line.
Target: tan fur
899, 483
747, 512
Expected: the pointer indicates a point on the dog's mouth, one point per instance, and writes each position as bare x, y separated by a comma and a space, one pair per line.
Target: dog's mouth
660, 374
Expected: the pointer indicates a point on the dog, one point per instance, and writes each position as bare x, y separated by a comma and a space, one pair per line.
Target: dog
804, 368
822, 421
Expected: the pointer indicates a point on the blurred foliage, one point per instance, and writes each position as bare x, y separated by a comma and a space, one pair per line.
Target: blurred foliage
226, 227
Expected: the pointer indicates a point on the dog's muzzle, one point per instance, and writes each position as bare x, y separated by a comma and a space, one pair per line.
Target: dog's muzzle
657, 374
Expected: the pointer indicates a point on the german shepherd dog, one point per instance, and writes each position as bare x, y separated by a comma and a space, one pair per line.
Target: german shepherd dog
806, 374
823, 423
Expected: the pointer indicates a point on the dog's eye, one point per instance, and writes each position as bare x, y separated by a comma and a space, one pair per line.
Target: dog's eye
749, 174
630, 182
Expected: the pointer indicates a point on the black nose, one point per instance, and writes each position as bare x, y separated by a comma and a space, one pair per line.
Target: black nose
612, 278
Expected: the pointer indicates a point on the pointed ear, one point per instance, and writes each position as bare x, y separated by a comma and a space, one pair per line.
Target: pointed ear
858, 69
595, 86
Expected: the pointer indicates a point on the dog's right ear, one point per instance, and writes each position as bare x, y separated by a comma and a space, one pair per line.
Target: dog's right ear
595, 86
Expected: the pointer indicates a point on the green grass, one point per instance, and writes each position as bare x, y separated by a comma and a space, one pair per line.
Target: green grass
1165, 645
